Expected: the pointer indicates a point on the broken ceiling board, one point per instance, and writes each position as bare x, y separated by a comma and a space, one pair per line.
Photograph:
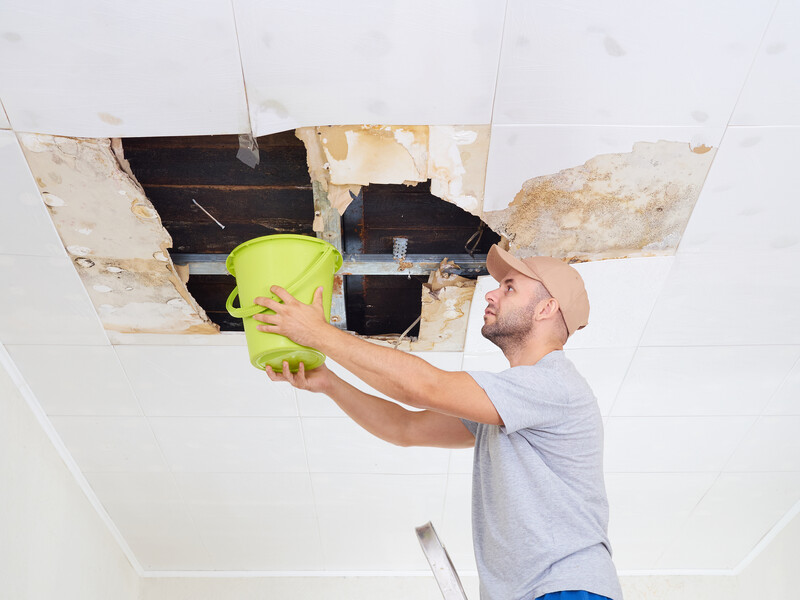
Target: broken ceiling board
453, 157
113, 235
627, 62
613, 206
445, 313
162, 69
383, 304
419, 62
769, 97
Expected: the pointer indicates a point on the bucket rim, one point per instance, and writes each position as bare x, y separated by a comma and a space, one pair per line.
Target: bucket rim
286, 236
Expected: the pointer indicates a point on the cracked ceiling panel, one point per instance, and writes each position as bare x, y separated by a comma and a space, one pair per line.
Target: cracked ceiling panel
113, 235
613, 206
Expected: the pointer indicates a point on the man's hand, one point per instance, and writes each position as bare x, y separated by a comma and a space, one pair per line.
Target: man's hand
300, 322
318, 380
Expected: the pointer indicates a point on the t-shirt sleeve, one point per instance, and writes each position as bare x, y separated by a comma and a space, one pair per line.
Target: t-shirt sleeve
525, 397
471, 425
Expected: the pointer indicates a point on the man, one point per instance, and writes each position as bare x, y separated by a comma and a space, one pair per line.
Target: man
540, 511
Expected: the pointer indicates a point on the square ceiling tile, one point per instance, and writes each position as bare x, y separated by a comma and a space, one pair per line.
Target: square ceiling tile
231, 444
339, 445
203, 381
255, 521
622, 293
773, 444
301, 70
786, 400
707, 301
163, 69
518, 153
697, 380
149, 512
76, 380
110, 444
26, 227
770, 97
604, 369
461, 460
455, 529
367, 521
45, 303
4, 124
646, 509
672, 444
626, 62
736, 513
748, 203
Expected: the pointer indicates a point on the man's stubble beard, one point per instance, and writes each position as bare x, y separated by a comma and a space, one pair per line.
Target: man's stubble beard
512, 330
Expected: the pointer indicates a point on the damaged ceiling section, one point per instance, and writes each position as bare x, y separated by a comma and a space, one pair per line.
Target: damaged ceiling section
622, 205
113, 235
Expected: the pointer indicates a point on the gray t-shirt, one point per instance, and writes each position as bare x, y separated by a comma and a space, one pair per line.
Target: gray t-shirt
539, 506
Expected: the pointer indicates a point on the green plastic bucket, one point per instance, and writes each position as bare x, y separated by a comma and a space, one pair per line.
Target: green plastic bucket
298, 263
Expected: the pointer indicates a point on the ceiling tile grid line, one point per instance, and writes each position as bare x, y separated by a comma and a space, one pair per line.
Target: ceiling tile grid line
75, 470
499, 61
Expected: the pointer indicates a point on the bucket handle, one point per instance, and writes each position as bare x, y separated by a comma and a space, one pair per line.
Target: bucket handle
248, 311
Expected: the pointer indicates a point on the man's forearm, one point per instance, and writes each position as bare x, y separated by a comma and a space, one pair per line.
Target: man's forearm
404, 377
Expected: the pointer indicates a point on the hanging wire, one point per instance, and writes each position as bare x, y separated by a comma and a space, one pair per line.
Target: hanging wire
479, 235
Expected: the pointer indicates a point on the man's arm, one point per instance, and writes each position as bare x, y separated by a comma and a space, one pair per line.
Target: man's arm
381, 418
404, 377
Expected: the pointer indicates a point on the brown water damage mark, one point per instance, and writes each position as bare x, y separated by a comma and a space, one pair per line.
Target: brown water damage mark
613, 206
109, 118
115, 236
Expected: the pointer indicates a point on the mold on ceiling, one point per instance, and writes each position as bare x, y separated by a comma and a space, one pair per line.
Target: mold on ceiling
613, 206
113, 235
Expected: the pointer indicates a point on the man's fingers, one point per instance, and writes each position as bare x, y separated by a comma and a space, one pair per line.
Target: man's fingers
272, 319
318, 297
270, 303
287, 372
281, 293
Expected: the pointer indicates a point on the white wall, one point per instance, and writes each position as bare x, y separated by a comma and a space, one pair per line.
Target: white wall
53, 545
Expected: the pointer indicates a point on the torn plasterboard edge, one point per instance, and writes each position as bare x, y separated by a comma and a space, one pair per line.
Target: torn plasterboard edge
629, 204
446, 299
113, 235
452, 157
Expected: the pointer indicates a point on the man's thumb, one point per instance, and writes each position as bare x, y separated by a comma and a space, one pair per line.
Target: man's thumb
318, 297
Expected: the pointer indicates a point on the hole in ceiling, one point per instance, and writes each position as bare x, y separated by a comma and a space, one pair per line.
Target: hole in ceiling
197, 185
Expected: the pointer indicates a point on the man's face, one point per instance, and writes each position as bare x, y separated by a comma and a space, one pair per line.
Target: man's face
508, 318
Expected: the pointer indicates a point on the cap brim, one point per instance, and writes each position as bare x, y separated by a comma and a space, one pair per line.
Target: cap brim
501, 262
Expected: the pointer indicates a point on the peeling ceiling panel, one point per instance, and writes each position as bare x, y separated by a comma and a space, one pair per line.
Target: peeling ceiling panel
770, 97
3, 118
616, 205
632, 63
367, 62
749, 202
95, 68
25, 228
113, 235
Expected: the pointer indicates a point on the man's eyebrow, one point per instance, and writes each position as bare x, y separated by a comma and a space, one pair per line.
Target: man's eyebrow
508, 280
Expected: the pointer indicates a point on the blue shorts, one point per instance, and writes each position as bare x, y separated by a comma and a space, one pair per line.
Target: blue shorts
572, 595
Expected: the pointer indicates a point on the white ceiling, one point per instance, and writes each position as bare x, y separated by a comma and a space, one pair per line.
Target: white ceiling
202, 464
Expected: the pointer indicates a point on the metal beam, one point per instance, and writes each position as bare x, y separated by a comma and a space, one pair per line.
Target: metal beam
354, 264
331, 232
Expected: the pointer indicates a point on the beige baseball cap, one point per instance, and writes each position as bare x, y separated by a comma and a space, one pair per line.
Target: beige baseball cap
562, 281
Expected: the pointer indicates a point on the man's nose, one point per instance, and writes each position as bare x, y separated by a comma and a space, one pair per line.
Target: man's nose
490, 296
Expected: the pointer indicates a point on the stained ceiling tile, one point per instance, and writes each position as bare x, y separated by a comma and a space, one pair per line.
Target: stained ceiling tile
738, 510
339, 445
672, 444
748, 203
626, 62
770, 97
203, 381
26, 227
163, 69
301, 69
367, 521
231, 444
646, 509
148, 510
110, 444
254, 521
45, 303
706, 299
76, 380
771, 445
730, 380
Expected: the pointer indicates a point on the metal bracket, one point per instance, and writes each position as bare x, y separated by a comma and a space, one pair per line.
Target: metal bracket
331, 232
